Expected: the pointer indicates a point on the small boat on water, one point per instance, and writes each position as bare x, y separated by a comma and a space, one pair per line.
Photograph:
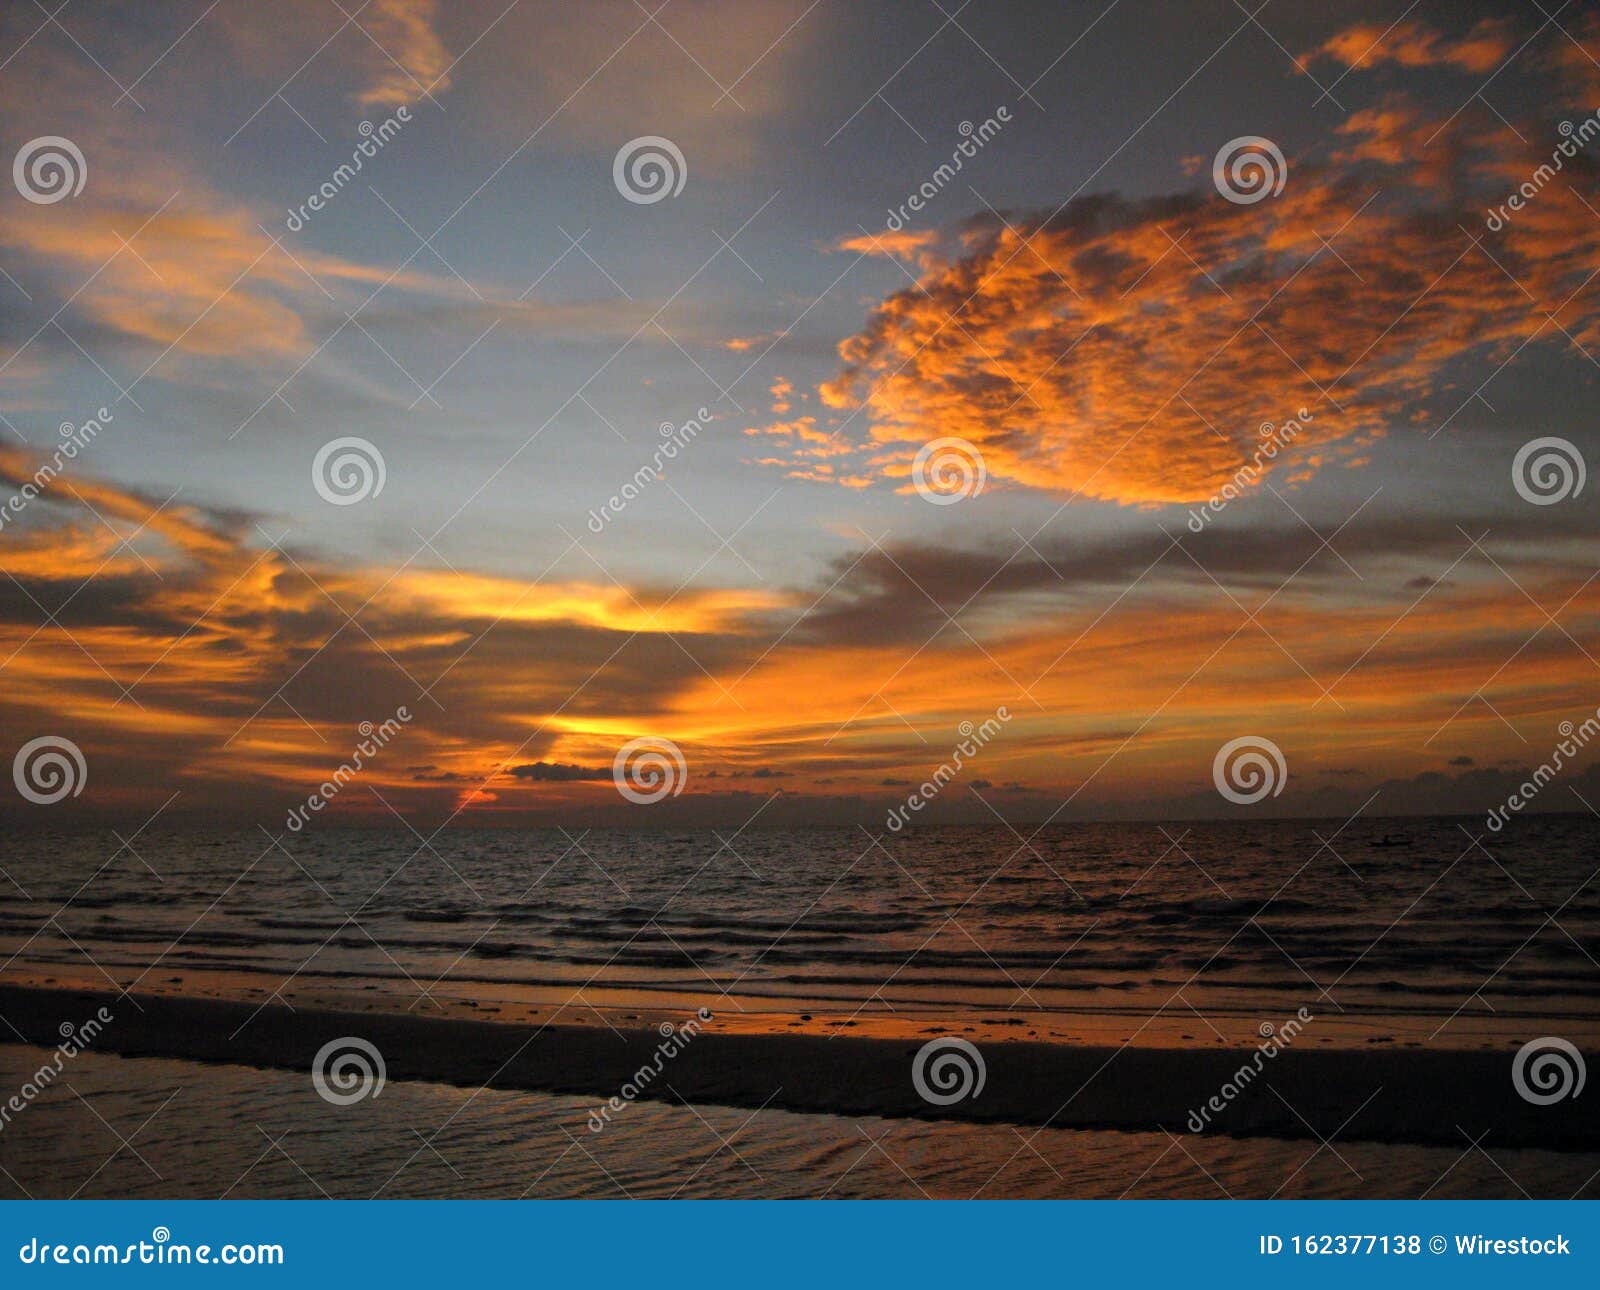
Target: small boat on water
1391, 840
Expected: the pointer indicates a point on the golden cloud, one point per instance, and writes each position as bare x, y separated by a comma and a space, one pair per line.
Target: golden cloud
193, 654
1133, 351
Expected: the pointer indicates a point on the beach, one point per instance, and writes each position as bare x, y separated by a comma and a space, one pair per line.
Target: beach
219, 1131
1397, 1096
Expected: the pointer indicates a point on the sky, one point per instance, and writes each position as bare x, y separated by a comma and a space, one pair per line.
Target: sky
795, 388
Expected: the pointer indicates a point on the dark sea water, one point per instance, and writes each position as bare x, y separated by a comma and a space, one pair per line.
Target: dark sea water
1236, 920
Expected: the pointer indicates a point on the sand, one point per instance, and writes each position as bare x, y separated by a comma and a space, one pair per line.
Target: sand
1387, 1095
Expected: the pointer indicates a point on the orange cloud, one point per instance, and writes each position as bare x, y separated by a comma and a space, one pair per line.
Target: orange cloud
187, 275
1575, 56
411, 61
1132, 350
1413, 44
905, 243
151, 253
461, 596
195, 656
381, 54
205, 280
179, 645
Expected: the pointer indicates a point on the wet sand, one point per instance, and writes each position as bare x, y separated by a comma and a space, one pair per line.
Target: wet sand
1174, 1025
1383, 1095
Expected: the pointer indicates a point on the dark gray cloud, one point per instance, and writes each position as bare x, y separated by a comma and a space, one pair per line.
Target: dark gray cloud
550, 772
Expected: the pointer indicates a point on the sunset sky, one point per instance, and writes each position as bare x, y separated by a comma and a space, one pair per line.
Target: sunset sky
1080, 303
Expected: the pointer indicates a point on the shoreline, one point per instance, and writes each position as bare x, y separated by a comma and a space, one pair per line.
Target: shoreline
1391, 1095
1083, 1024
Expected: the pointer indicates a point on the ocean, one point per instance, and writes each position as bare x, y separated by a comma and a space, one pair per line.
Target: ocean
1079, 929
